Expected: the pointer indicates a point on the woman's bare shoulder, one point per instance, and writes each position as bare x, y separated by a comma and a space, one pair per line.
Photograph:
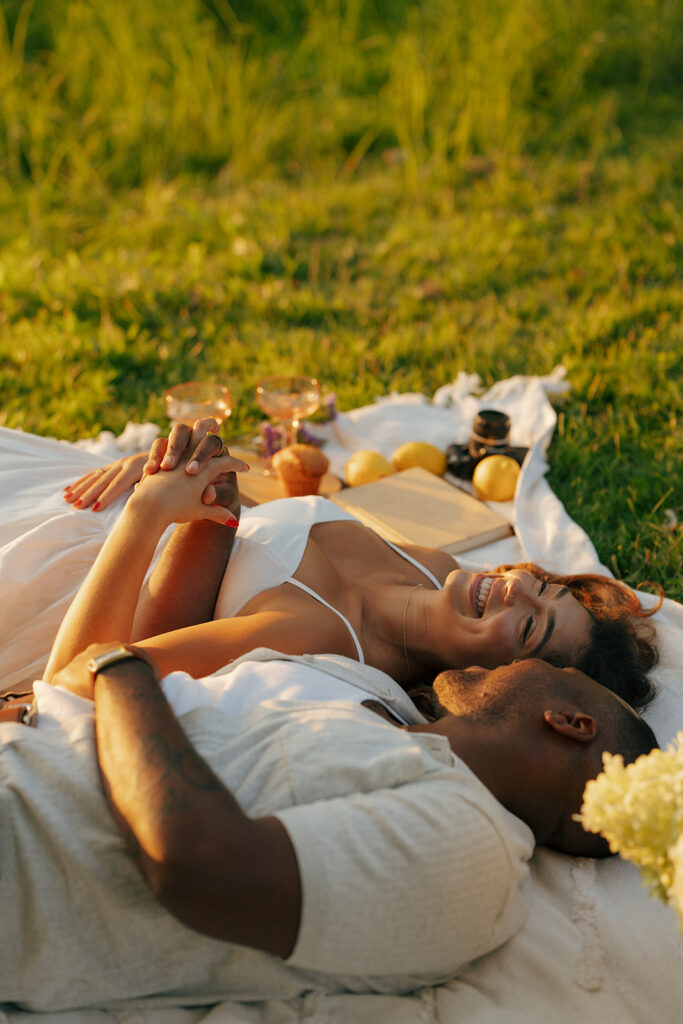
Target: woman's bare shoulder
440, 563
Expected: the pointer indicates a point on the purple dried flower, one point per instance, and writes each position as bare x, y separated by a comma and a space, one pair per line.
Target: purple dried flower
329, 407
305, 437
271, 439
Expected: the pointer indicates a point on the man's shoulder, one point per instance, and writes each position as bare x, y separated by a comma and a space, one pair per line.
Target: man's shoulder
333, 664
366, 678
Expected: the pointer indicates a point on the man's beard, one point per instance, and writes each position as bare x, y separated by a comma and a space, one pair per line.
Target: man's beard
462, 691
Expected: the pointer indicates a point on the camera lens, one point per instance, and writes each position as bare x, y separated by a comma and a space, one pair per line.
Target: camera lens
491, 426
490, 436
490, 430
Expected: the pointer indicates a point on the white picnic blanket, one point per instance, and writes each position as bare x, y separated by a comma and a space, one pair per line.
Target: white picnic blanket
595, 948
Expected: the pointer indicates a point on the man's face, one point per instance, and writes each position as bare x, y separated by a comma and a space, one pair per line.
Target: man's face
475, 692
522, 715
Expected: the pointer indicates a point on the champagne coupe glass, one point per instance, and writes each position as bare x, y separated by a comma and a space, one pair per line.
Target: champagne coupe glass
289, 400
188, 402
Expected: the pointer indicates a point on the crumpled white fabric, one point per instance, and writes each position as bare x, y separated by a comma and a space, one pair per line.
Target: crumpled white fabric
136, 437
595, 947
545, 533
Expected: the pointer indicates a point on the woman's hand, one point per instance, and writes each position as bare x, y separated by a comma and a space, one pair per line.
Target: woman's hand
100, 487
181, 496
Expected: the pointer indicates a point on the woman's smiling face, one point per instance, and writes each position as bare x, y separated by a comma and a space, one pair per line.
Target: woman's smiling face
503, 616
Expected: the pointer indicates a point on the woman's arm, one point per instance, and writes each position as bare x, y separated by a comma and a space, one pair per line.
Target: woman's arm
288, 626
105, 605
183, 587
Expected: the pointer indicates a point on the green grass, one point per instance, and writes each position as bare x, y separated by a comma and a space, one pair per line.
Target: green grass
386, 193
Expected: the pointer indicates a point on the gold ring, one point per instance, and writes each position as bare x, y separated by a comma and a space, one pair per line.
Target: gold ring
223, 450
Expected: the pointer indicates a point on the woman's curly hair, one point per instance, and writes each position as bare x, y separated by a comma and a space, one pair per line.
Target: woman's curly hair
622, 645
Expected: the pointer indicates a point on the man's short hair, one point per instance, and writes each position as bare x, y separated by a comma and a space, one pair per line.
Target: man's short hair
621, 731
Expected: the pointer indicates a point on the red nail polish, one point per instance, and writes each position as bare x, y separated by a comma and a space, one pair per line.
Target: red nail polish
77, 504
96, 507
232, 522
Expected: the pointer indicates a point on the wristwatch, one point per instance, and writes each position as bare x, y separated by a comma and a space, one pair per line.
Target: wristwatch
111, 657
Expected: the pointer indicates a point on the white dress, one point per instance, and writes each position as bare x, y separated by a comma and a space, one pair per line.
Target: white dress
47, 548
270, 544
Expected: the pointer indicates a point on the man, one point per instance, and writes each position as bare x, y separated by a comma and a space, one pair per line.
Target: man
297, 845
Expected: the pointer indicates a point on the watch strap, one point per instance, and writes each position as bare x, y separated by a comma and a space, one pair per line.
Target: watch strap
114, 656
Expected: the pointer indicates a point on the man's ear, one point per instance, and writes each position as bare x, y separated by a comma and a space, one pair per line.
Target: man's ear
575, 725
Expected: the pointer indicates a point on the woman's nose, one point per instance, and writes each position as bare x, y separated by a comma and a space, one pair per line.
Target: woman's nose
514, 590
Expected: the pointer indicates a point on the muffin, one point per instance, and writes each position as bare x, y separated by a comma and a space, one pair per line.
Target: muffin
300, 468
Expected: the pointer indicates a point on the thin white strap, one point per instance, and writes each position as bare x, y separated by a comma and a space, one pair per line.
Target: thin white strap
418, 565
302, 586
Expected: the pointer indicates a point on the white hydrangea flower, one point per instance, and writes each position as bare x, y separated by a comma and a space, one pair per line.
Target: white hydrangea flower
638, 808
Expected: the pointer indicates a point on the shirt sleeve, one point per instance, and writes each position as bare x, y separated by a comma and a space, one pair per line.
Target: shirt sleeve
416, 880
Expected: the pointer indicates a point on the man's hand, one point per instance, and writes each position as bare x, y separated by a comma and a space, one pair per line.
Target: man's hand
193, 448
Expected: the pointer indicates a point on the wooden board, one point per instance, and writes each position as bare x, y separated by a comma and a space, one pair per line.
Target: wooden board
417, 507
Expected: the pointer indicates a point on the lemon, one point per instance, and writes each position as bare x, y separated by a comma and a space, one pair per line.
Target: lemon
495, 478
419, 453
364, 467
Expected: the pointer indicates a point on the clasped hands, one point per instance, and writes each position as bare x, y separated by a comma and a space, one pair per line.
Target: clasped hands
191, 449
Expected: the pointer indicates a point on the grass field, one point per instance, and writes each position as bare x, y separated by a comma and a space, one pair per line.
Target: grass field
385, 192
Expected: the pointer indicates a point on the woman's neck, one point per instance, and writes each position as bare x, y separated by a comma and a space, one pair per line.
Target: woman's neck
396, 628
429, 641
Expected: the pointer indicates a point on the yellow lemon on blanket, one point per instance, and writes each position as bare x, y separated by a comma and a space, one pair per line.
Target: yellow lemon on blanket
419, 453
495, 478
364, 467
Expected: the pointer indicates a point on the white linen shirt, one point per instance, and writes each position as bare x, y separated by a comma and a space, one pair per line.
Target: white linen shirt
410, 868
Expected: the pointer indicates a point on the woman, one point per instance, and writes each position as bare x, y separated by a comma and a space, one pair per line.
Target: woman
308, 578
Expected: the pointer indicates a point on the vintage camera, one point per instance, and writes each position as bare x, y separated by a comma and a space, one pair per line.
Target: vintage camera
490, 436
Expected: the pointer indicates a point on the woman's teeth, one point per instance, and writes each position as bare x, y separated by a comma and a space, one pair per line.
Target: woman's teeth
482, 593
